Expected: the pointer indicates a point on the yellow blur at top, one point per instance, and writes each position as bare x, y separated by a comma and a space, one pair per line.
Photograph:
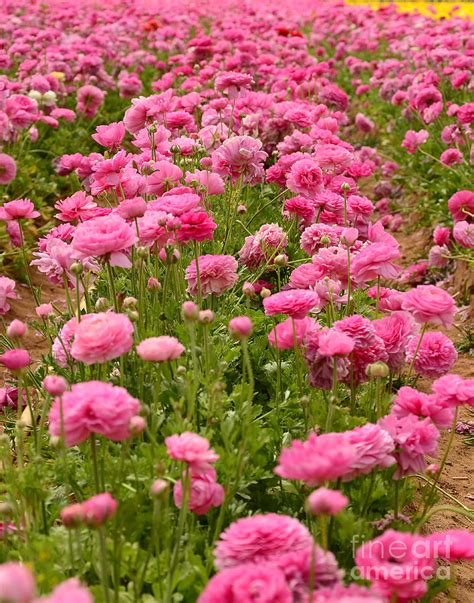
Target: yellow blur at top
441, 9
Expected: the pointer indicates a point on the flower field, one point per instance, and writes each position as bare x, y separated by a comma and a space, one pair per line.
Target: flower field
236, 294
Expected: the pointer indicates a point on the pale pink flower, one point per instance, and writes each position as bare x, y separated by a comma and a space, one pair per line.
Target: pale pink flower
67, 592
232, 83
17, 584
326, 502
413, 140
374, 449
76, 207
7, 168
110, 135
297, 303
435, 357
217, 274
430, 304
240, 327
193, 449
20, 209
209, 181
395, 331
240, 157
319, 235
102, 337
160, 349
463, 234
373, 261
98, 509
89, 99
334, 343
205, 492
7, 291
285, 335
411, 401
165, 175
260, 539
454, 390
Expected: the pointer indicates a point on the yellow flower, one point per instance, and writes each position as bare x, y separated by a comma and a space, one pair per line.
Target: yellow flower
59, 75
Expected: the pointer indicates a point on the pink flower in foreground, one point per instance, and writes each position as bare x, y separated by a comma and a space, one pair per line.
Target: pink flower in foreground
17, 584
326, 502
435, 357
347, 594
394, 565
160, 349
7, 291
452, 545
7, 168
205, 492
430, 304
107, 236
374, 449
295, 302
454, 390
246, 584
195, 226
414, 439
260, 539
20, 209
217, 274
70, 591
318, 459
102, 337
191, 448
411, 401
93, 407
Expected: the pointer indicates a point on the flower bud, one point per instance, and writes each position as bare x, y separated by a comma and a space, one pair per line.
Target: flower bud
265, 293
137, 425
16, 359
16, 329
205, 317
241, 209
189, 310
159, 488
72, 516
281, 260
142, 252
240, 327
55, 385
153, 284
102, 304
44, 310
76, 268
326, 502
377, 370
133, 315
345, 186
129, 302
248, 289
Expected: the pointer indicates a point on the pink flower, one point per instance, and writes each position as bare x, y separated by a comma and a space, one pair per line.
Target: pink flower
55, 385
460, 205
319, 458
77, 207
211, 183
110, 135
193, 449
334, 343
102, 337
20, 209
430, 304
98, 509
16, 359
61, 348
375, 260
7, 168
7, 291
465, 113
240, 327
240, 157
463, 234
346, 594
264, 246
363, 123
232, 82
17, 584
164, 177
129, 209
394, 565
451, 157
290, 332
195, 226
454, 390
452, 545
205, 492
67, 592
414, 439
296, 303
326, 502
89, 99
246, 584
260, 539
217, 274
160, 349
413, 140
374, 449
107, 236
301, 207
321, 368
305, 178
319, 235
175, 203
395, 331
441, 235
411, 401
93, 407
435, 357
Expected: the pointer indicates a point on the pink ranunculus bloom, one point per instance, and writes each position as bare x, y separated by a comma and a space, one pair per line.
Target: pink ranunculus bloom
93, 407
318, 459
176, 204
191, 448
89, 99
413, 140
67, 592
61, 348
461, 205
441, 235
16, 359
240, 157
374, 447
463, 234
334, 343
164, 177
55, 385
430, 304
98, 509
435, 357
102, 337
395, 331
290, 332
451, 157
465, 113
7, 291
363, 123
373, 261
108, 236
20, 209
111, 135
7, 168
218, 273
78, 206
17, 584
309, 276
232, 82
247, 583
205, 492
16, 329
209, 181
347, 594
240, 327
397, 563
319, 235
160, 349
414, 439
390, 300
129, 209
260, 539
454, 390
305, 178
296, 303
452, 545
196, 226
326, 502
411, 401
